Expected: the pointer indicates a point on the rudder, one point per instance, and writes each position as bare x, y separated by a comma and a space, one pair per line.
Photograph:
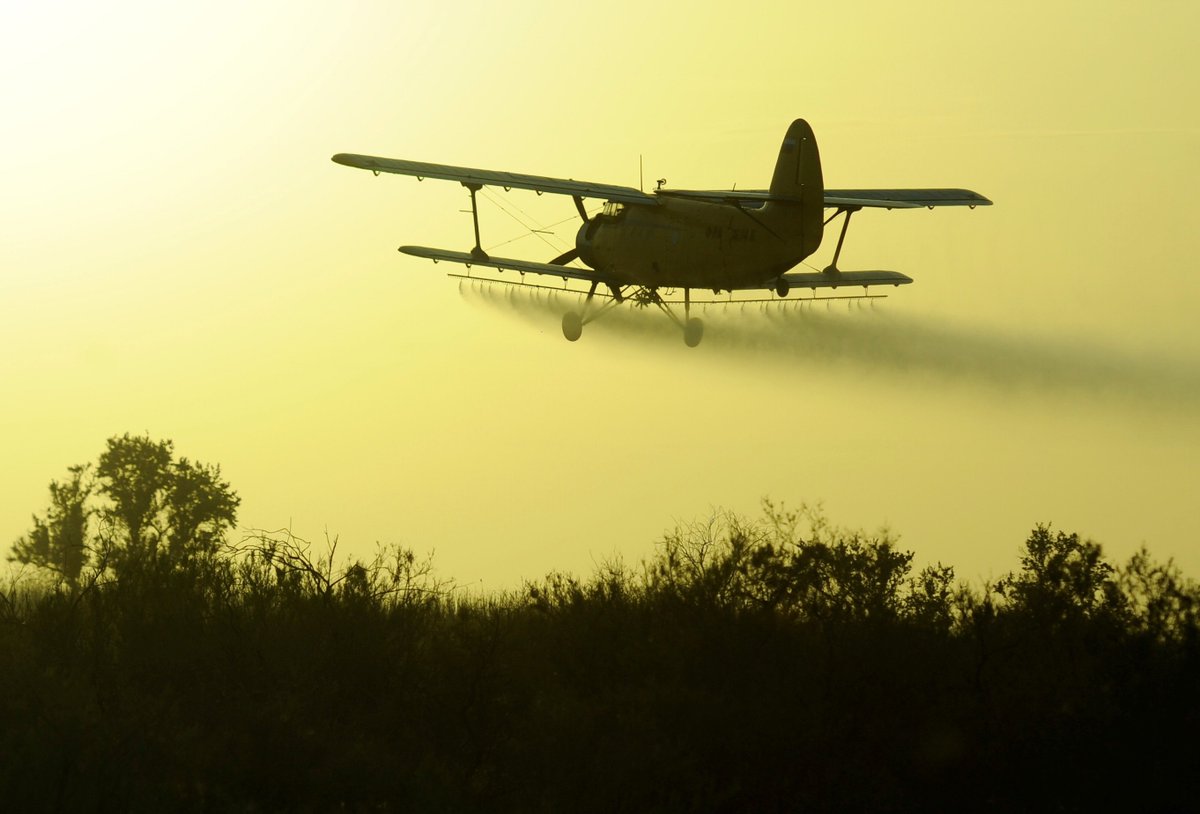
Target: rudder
797, 183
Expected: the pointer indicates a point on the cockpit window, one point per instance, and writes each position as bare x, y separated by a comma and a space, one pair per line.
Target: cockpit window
613, 209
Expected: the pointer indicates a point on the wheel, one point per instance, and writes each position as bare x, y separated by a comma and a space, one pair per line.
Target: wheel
572, 325
782, 287
693, 332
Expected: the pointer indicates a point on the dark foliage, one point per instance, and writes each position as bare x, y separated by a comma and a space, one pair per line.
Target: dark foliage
776, 665
58, 542
152, 513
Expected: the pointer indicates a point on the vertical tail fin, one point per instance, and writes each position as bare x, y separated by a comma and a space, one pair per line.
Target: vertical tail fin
797, 180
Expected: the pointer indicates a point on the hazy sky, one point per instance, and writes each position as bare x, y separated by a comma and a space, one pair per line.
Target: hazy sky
179, 256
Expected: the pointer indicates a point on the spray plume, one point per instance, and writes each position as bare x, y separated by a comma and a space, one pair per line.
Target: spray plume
857, 336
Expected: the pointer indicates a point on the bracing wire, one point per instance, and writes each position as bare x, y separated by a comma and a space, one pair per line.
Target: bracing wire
532, 229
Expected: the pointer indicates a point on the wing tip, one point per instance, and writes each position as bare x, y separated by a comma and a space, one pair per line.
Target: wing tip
362, 162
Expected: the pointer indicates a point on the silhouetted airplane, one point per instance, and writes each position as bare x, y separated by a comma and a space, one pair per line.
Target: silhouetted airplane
724, 240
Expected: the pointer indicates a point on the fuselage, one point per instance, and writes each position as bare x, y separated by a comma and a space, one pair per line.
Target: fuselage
681, 243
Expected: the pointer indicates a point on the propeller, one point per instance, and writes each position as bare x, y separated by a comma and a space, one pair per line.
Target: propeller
565, 257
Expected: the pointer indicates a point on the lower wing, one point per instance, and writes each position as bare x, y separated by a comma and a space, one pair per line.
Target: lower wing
795, 279
503, 263
822, 279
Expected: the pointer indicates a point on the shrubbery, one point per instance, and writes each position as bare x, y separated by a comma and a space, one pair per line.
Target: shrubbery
775, 664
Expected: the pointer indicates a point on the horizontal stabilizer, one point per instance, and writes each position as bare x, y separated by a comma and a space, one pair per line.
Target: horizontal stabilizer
821, 279
501, 263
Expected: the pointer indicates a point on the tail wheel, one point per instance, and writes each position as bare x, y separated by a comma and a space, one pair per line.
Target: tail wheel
572, 326
693, 332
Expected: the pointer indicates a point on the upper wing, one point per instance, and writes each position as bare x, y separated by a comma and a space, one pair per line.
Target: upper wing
842, 198
496, 178
904, 198
848, 198
752, 198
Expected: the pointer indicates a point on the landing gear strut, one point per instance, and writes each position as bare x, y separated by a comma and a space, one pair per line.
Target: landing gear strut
693, 328
573, 321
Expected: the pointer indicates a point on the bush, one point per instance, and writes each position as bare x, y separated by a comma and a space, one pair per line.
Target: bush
769, 664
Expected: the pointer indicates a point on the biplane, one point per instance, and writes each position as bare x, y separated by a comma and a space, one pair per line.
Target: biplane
642, 243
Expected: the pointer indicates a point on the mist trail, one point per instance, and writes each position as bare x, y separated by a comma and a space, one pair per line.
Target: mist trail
840, 335
544, 308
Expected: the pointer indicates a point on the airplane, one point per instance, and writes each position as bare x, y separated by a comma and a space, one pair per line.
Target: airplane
725, 240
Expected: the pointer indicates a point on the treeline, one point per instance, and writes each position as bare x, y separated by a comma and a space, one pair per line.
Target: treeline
769, 664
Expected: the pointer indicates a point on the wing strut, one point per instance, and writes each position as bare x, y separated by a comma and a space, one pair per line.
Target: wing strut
478, 250
848, 211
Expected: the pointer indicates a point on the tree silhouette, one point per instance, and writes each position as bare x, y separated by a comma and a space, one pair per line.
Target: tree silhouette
796, 563
1063, 578
154, 512
134, 474
57, 542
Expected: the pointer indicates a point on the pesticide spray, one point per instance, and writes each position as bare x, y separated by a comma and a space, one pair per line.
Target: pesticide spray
800, 335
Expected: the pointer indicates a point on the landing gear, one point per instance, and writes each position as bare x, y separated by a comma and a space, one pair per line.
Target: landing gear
572, 325
693, 328
573, 321
782, 287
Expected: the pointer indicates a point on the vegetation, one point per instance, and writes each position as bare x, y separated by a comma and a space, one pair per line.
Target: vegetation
155, 513
774, 664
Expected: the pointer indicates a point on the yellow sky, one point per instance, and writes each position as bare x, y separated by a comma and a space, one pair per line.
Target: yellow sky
179, 256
